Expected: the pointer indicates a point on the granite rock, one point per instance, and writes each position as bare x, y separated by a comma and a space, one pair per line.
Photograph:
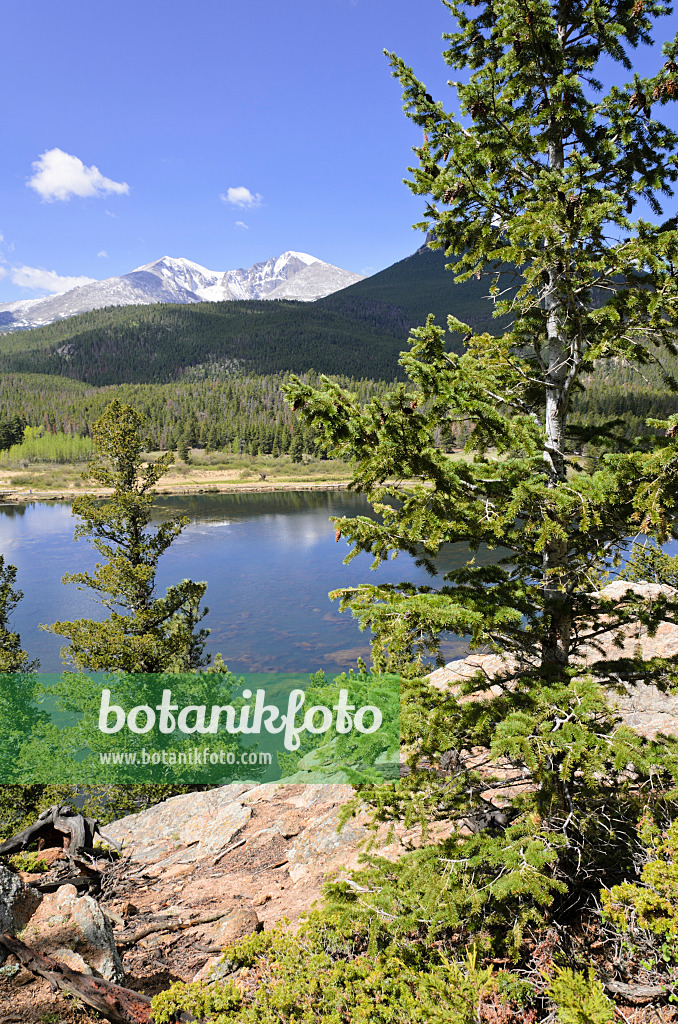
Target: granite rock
75, 924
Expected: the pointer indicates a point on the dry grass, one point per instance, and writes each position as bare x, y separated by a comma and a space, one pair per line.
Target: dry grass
210, 473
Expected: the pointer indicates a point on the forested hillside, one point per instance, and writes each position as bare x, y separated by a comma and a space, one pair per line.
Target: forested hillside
414, 287
151, 344
211, 373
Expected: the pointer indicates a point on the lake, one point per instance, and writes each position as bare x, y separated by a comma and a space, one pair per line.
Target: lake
269, 559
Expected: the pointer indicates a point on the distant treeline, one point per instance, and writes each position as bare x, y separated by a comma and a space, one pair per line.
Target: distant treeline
241, 413
248, 413
616, 391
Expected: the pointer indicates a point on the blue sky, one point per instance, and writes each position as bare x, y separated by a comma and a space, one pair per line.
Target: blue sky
213, 131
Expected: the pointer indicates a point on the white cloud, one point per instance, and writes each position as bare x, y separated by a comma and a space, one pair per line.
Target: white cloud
241, 196
58, 175
3, 273
46, 280
102, 254
241, 224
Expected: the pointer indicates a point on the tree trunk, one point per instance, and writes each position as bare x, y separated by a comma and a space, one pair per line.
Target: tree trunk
557, 608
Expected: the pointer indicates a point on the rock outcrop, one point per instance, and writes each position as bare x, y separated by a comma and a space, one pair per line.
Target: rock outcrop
643, 707
244, 856
74, 931
18, 902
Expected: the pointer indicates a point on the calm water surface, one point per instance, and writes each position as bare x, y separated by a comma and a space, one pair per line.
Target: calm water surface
269, 561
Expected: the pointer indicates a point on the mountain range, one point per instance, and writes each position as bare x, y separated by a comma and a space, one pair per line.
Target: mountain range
293, 275
359, 330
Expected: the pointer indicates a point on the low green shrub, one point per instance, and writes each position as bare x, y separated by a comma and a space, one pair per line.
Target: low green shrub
32, 862
651, 904
580, 998
326, 975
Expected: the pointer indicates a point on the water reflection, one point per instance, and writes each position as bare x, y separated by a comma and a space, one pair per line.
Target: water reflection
269, 560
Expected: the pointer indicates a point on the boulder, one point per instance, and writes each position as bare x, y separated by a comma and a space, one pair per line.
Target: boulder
73, 930
237, 925
240, 922
17, 901
650, 591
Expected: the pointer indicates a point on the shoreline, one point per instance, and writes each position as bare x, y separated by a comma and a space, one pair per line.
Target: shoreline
20, 495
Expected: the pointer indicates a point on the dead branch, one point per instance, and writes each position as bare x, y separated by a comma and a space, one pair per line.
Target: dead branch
117, 1004
123, 941
229, 849
59, 826
638, 993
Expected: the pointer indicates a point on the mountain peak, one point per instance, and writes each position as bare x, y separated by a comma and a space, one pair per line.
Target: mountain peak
292, 275
175, 264
303, 256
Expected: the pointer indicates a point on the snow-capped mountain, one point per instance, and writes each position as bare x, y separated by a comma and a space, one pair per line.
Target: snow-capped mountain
294, 275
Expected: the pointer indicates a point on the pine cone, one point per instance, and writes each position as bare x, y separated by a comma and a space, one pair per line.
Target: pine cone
638, 102
573, 205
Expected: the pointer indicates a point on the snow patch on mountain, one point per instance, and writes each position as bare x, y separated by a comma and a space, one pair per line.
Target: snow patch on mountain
310, 282
292, 275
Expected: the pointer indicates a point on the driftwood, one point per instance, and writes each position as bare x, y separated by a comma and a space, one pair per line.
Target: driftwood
115, 1003
59, 826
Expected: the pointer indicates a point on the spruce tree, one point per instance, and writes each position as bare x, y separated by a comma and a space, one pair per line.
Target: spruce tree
12, 657
18, 709
296, 449
184, 447
532, 185
20, 712
143, 632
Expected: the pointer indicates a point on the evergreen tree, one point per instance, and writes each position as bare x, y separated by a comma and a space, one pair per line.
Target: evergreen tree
19, 710
649, 564
184, 448
532, 186
143, 633
212, 440
11, 432
12, 657
296, 448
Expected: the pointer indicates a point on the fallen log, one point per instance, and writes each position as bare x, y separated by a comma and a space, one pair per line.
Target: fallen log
639, 994
58, 826
115, 1003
